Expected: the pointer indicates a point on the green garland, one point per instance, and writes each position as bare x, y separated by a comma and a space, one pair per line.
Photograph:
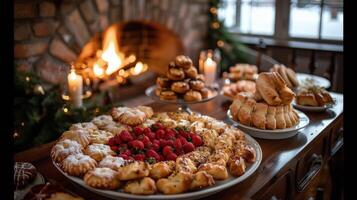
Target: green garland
41, 116
231, 50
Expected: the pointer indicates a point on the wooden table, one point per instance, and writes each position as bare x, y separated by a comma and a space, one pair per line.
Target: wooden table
288, 168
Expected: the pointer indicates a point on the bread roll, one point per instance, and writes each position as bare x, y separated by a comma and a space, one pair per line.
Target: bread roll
283, 74
293, 120
259, 115
271, 122
245, 112
287, 116
266, 87
279, 117
236, 105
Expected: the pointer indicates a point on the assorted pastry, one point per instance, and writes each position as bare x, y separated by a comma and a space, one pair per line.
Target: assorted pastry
150, 153
287, 74
24, 173
315, 96
182, 81
241, 72
269, 107
232, 89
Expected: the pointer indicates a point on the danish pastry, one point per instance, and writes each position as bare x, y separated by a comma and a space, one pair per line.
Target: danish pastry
192, 96
98, 151
162, 169
197, 85
168, 95
133, 170
112, 162
147, 110
65, 148
103, 178
78, 164
175, 74
100, 136
145, 185
89, 126
180, 87
176, 183
200, 180
80, 135
129, 116
102, 121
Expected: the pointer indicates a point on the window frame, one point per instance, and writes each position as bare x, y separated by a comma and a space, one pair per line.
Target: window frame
281, 27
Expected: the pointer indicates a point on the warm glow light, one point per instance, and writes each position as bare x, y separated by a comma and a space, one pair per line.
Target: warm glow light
111, 53
98, 71
121, 72
138, 68
131, 58
65, 110
209, 61
72, 76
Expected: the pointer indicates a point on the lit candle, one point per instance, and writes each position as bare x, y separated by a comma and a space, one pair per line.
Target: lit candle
210, 68
75, 88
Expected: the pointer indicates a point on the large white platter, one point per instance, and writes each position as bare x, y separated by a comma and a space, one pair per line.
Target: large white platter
272, 134
219, 186
316, 80
312, 108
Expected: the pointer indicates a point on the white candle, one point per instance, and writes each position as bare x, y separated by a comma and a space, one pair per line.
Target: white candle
210, 68
75, 88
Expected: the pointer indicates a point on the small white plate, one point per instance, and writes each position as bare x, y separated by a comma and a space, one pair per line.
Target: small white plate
316, 80
272, 134
313, 108
217, 187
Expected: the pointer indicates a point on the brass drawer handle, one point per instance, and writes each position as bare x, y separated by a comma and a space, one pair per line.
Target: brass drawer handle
316, 163
338, 144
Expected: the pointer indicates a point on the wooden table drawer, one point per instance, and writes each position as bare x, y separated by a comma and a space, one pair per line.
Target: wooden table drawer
310, 164
280, 189
336, 139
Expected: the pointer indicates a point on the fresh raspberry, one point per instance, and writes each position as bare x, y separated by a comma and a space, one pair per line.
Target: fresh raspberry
171, 156
166, 150
137, 144
155, 146
182, 139
170, 132
138, 130
152, 153
169, 135
140, 157
114, 148
151, 135
111, 141
160, 134
148, 145
177, 144
146, 130
144, 139
163, 143
156, 141
188, 147
126, 136
196, 140
127, 152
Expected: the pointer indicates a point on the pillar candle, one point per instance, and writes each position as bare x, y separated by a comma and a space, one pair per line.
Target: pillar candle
75, 88
210, 68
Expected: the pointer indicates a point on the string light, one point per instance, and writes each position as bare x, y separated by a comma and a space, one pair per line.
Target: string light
213, 10
22, 124
215, 25
27, 78
220, 43
16, 135
65, 110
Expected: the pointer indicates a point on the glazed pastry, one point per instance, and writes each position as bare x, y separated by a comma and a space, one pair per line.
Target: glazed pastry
191, 72
24, 173
175, 74
201, 180
266, 87
287, 74
292, 77
245, 151
183, 61
176, 183
65, 148
98, 151
197, 85
259, 115
147, 110
78, 164
112, 162
168, 95
133, 170
206, 93
81, 136
102, 121
162, 169
145, 185
217, 171
102, 178
287, 117
129, 116
306, 99
180, 87
279, 117
237, 166
185, 164
200, 77
100, 136
89, 126
284, 75
293, 120
163, 82
271, 122
244, 114
236, 106
192, 96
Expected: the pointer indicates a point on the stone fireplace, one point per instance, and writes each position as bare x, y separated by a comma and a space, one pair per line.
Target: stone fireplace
50, 34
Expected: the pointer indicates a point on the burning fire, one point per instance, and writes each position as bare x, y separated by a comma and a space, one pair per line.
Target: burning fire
139, 67
111, 53
98, 71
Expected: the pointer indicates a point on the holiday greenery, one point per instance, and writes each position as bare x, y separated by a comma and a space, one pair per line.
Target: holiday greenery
231, 50
42, 115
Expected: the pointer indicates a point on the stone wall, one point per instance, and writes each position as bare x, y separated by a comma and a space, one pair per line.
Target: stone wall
49, 34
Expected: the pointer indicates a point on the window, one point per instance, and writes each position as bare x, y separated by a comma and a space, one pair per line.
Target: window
308, 19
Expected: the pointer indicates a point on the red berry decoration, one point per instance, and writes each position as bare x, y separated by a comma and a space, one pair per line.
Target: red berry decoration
152, 153
114, 148
167, 150
171, 156
196, 140
145, 139
151, 135
158, 125
137, 144
146, 130
160, 133
126, 136
124, 156
188, 147
127, 152
111, 142
155, 146
138, 130
140, 157
177, 144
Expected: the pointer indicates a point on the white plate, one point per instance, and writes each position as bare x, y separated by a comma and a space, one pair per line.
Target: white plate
317, 80
20, 194
312, 108
273, 134
219, 185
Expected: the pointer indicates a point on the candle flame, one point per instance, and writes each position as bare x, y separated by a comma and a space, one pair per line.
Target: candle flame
209, 61
72, 75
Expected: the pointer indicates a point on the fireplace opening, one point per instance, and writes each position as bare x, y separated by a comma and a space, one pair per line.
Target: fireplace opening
128, 49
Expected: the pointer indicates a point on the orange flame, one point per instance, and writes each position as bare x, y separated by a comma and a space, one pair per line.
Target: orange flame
111, 53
